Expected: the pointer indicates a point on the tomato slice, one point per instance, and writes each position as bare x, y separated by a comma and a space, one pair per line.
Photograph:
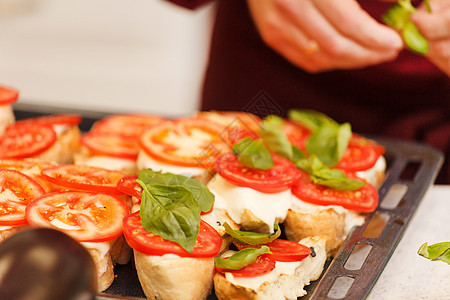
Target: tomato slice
296, 134
17, 191
233, 119
50, 120
364, 199
8, 95
262, 265
129, 186
282, 250
83, 178
279, 178
361, 154
130, 125
186, 142
87, 217
26, 141
111, 145
30, 167
207, 245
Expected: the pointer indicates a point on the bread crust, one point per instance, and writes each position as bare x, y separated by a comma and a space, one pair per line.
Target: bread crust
327, 223
174, 278
63, 150
104, 267
285, 286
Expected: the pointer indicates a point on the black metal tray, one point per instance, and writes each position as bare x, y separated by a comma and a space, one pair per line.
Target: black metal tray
412, 169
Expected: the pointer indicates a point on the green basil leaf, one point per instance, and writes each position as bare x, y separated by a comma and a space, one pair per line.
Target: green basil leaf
332, 178
297, 154
200, 192
273, 136
253, 238
414, 39
329, 143
171, 212
436, 252
398, 17
241, 258
311, 119
253, 154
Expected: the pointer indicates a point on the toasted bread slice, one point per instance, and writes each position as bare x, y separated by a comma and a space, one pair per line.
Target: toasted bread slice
172, 277
332, 223
63, 150
277, 284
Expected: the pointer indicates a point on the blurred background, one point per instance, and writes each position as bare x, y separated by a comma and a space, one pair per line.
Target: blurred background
105, 55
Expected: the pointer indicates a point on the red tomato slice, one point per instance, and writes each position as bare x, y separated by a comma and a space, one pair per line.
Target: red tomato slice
130, 125
111, 145
186, 142
84, 178
207, 245
17, 191
279, 178
26, 141
30, 167
364, 199
262, 265
282, 250
8, 95
87, 217
58, 119
296, 134
361, 154
233, 119
129, 186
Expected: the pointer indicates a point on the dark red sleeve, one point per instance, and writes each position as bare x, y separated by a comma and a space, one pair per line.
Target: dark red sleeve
191, 4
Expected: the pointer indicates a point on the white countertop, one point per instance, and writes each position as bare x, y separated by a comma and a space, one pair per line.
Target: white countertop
408, 275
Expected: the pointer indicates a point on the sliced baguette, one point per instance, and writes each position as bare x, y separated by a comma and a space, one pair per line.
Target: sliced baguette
173, 277
277, 285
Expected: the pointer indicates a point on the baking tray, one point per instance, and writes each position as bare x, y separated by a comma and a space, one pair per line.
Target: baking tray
411, 170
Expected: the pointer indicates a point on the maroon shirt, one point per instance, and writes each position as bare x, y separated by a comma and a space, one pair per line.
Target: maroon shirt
408, 98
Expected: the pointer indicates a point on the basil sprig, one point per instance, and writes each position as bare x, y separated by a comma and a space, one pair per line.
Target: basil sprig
436, 252
171, 206
253, 238
325, 147
241, 258
398, 17
332, 178
329, 139
253, 154
275, 139
204, 197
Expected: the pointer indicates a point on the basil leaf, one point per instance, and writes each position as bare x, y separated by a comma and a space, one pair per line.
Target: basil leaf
398, 17
274, 137
200, 192
329, 143
436, 252
332, 178
297, 154
171, 212
241, 258
253, 154
253, 238
311, 119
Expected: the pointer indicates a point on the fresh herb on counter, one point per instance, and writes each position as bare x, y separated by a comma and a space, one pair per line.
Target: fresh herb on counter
436, 252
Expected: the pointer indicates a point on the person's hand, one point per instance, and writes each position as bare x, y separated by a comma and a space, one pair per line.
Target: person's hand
435, 27
319, 35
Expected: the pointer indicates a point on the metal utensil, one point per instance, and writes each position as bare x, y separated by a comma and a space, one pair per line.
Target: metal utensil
43, 263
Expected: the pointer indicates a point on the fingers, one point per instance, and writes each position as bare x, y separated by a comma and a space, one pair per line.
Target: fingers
358, 25
343, 50
434, 25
